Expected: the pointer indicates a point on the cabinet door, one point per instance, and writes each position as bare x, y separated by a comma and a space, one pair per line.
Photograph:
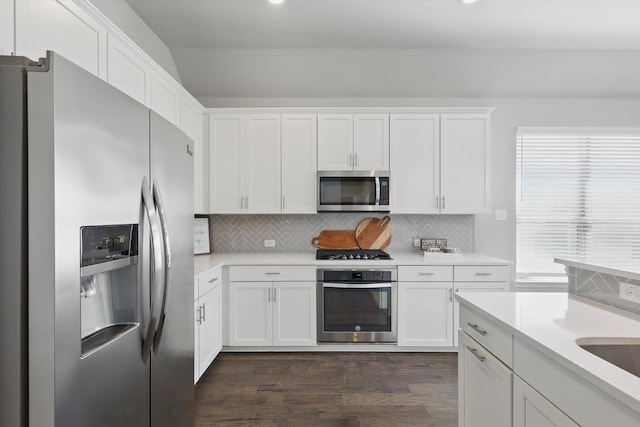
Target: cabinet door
465, 163
226, 135
473, 287
425, 314
250, 314
335, 142
210, 328
299, 163
294, 313
262, 159
371, 141
415, 163
164, 98
484, 387
63, 27
531, 409
127, 71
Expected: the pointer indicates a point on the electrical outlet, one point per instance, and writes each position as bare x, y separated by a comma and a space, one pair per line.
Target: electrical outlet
630, 292
416, 242
269, 243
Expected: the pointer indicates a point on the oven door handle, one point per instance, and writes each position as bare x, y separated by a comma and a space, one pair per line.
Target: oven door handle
357, 285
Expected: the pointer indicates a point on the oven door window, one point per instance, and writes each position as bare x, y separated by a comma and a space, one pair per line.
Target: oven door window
348, 191
367, 308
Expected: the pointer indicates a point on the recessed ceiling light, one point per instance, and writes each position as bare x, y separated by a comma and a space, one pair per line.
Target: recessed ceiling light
276, 1
465, 1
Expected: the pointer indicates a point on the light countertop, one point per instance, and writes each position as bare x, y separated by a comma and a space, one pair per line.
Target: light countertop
207, 262
551, 322
622, 268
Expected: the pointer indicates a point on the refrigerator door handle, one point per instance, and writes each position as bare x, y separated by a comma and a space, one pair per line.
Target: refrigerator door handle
150, 290
157, 198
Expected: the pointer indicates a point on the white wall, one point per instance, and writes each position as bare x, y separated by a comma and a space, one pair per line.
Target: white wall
121, 14
496, 238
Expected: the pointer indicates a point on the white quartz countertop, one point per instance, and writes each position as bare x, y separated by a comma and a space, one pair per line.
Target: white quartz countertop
623, 268
551, 322
204, 263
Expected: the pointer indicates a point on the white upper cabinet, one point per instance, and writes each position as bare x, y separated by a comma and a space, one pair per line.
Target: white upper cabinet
415, 165
353, 141
61, 26
299, 163
191, 123
465, 163
440, 163
127, 71
244, 159
165, 98
262, 170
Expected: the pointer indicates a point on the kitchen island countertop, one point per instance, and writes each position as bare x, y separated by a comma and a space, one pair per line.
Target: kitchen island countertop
551, 323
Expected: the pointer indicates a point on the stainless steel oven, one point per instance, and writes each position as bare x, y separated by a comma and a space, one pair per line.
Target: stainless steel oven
357, 305
355, 191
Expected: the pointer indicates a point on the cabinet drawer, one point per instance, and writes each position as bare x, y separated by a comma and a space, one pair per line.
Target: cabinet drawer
489, 334
209, 280
272, 273
482, 273
427, 273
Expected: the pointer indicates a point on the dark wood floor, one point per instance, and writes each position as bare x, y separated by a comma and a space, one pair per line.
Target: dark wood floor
329, 389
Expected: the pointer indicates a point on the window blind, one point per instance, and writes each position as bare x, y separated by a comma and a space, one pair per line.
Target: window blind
577, 196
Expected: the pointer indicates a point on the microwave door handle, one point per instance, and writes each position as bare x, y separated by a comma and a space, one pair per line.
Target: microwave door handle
377, 178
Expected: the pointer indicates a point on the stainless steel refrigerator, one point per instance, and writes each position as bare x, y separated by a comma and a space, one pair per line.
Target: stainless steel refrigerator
96, 254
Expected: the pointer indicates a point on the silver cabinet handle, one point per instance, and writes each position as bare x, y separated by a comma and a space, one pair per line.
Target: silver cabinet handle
474, 351
443, 205
355, 162
275, 293
350, 159
476, 328
450, 295
214, 279
283, 203
199, 311
436, 202
268, 295
483, 274
272, 273
204, 312
426, 274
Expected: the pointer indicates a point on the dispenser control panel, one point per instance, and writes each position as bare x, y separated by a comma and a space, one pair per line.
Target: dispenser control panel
103, 243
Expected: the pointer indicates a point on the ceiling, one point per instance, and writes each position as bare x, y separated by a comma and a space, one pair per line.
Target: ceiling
232, 38
398, 24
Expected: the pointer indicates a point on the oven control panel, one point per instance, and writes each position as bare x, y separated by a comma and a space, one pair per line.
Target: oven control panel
357, 276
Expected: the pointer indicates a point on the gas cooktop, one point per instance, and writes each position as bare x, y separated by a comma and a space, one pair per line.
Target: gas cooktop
355, 254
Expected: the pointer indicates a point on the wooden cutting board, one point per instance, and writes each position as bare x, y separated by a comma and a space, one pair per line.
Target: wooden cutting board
335, 239
373, 233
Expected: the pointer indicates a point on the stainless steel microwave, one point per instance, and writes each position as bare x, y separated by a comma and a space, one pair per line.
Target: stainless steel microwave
353, 191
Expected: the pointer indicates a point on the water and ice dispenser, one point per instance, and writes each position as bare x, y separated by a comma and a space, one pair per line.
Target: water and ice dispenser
108, 284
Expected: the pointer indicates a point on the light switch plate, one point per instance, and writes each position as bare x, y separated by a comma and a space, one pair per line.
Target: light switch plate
501, 215
269, 243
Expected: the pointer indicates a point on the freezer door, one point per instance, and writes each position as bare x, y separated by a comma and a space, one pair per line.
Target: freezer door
88, 152
172, 393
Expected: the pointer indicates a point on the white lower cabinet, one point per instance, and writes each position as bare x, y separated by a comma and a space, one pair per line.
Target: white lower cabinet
425, 314
268, 313
207, 321
531, 409
484, 388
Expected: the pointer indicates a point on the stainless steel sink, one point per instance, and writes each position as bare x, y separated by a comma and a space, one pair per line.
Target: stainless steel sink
621, 352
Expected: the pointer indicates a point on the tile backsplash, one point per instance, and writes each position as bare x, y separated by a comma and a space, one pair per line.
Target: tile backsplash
293, 233
600, 287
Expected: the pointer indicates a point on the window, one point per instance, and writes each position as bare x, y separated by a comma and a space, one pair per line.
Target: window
577, 197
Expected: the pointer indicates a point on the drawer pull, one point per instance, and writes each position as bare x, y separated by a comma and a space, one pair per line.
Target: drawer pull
426, 274
213, 280
477, 329
272, 273
474, 351
483, 274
